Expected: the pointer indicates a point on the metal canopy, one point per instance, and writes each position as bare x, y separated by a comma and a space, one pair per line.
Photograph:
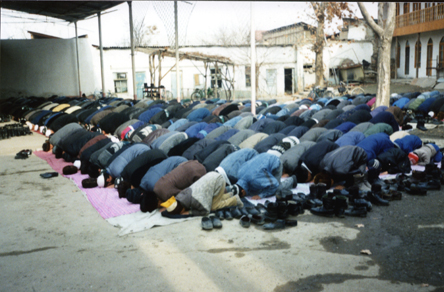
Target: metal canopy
187, 55
70, 11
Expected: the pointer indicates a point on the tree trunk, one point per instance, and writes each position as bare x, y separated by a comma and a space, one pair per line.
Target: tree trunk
383, 72
319, 47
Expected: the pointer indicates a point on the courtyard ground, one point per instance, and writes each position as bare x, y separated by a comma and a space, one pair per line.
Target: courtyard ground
54, 240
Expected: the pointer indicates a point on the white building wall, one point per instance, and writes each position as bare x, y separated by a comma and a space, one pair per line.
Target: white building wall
334, 54
435, 36
275, 57
45, 67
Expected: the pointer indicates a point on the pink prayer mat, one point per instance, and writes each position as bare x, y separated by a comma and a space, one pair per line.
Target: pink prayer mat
105, 200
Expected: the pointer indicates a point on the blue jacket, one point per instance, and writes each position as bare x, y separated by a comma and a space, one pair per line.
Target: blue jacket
409, 143
438, 155
177, 124
258, 175
205, 131
425, 106
350, 139
148, 114
198, 115
194, 129
401, 102
376, 144
345, 127
233, 121
157, 171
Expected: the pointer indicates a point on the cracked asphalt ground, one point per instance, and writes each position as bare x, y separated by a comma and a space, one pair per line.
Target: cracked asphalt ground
52, 239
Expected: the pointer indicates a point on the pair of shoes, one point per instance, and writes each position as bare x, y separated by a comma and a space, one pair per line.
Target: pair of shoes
333, 204
375, 196
257, 219
49, 174
280, 224
21, 155
245, 221
208, 223
26, 151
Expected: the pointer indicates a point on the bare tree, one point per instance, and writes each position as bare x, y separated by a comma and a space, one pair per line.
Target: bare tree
142, 34
384, 31
325, 12
225, 36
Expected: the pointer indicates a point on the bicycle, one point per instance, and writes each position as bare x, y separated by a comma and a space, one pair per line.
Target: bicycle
351, 89
198, 94
318, 92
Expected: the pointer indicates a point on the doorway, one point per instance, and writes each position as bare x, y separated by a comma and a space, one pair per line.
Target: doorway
140, 79
289, 80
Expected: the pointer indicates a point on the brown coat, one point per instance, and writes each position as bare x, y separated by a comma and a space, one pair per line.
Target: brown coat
397, 113
178, 179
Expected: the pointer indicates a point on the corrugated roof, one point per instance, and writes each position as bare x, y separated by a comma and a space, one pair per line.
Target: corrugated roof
67, 10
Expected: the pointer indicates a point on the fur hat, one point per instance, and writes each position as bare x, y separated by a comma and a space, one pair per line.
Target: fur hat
122, 187
58, 152
148, 203
46, 146
323, 178
301, 174
413, 158
89, 183
70, 169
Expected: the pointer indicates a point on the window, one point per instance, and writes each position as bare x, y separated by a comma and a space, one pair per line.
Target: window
398, 55
418, 54
213, 78
429, 57
407, 58
406, 8
416, 6
247, 76
441, 53
120, 83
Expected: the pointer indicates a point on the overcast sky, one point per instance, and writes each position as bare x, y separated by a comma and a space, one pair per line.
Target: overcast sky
204, 18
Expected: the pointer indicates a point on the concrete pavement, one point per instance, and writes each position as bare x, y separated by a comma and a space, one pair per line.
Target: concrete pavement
54, 240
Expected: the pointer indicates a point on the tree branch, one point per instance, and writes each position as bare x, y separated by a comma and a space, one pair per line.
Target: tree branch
379, 31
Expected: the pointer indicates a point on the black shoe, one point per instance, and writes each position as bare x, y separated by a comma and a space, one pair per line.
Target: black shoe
252, 210
227, 215
294, 208
216, 222
375, 199
321, 211
420, 125
261, 208
356, 212
49, 174
257, 219
220, 214
206, 223
245, 221
244, 211
236, 213
416, 191
278, 224
359, 203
